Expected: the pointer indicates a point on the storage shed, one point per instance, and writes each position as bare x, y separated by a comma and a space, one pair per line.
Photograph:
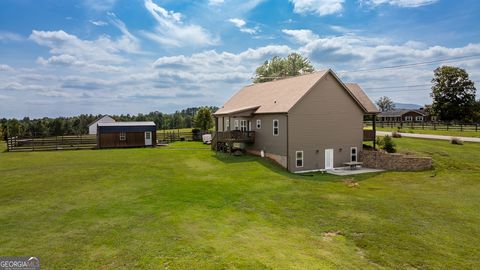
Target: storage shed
126, 134
92, 128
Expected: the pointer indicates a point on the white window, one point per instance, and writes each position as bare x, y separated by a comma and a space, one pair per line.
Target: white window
227, 124
259, 124
299, 159
408, 118
419, 118
236, 124
123, 136
148, 135
243, 125
353, 154
275, 127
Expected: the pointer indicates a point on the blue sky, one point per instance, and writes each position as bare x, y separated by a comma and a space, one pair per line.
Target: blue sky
62, 58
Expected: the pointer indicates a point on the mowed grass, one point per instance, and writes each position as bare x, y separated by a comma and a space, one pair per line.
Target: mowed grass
185, 207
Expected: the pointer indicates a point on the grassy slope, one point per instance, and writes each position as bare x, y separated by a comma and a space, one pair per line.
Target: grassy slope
178, 207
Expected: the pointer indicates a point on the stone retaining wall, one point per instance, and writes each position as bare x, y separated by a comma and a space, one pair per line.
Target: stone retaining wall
396, 162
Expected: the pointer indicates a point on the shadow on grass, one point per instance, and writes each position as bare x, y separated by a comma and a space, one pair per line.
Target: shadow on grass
276, 168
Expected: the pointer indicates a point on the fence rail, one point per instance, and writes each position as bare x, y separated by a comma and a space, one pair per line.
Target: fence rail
173, 136
23, 144
428, 125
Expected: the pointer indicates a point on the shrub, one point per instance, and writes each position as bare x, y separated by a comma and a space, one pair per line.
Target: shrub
388, 145
396, 134
457, 141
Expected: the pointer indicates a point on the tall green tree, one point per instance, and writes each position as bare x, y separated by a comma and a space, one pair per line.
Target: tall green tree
278, 67
203, 119
453, 94
385, 104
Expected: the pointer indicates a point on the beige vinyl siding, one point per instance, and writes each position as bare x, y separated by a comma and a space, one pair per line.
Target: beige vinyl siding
326, 118
264, 139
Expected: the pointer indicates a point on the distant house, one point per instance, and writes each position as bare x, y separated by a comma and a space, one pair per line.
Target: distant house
404, 115
92, 128
126, 134
306, 123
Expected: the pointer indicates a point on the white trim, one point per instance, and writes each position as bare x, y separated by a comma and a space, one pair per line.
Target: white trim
356, 154
273, 127
259, 124
297, 159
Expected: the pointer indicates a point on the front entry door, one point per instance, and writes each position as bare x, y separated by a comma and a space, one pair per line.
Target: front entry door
148, 138
328, 159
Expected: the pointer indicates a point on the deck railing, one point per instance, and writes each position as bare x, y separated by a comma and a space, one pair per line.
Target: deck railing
235, 136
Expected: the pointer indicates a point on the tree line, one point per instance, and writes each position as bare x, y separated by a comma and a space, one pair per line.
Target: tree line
195, 117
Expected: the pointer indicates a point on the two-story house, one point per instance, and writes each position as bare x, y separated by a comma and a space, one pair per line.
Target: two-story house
306, 123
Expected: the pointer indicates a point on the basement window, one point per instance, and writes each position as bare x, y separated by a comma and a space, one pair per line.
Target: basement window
123, 136
299, 159
275, 127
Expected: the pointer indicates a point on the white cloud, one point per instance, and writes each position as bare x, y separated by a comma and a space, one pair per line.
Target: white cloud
319, 7
100, 5
172, 31
98, 23
9, 36
215, 2
240, 24
302, 36
5, 67
399, 3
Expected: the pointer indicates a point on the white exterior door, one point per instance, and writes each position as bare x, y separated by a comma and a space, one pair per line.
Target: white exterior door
328, 159
148, 138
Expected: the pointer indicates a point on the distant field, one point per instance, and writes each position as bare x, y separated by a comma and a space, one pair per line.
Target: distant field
435, 132
184, 206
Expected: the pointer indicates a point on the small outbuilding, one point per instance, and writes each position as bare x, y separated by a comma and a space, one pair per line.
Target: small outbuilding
92, 128
126, 134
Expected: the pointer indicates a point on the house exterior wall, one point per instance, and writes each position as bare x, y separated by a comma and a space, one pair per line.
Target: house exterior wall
326, 118
92, 129
274, 147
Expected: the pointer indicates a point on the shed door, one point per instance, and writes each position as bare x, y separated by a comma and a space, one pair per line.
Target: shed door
328, 159
148, 138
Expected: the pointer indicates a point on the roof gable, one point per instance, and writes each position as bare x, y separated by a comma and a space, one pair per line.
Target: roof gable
280, 96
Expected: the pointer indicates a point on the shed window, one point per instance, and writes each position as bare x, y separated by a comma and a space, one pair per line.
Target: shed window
299, 159
123, 136
353, 154
259, 124
275, 127
408, 118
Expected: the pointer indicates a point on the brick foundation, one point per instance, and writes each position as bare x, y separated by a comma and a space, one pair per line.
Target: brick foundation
395, 162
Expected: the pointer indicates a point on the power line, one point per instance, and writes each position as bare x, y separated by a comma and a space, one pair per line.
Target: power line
453, 59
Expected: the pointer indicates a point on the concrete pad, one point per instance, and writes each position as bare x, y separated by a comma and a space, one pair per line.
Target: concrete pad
344, 171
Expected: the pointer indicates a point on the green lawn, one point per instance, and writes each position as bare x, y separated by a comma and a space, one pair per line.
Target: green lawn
184, 207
